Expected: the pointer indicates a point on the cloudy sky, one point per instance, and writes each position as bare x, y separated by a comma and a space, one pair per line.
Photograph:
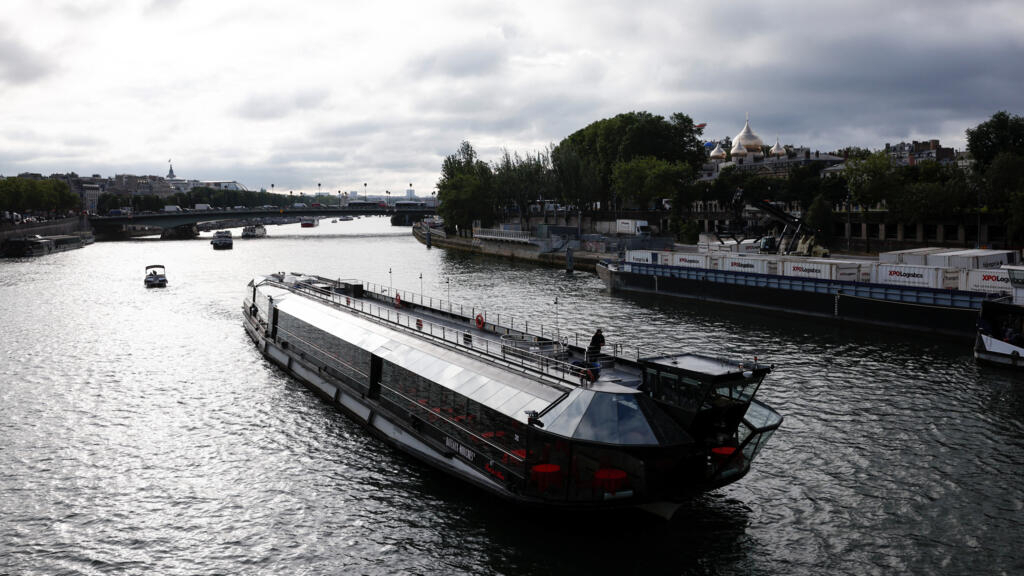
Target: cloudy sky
340, 93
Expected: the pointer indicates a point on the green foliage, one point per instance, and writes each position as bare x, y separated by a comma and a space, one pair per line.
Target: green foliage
597, 148
868, 180
47, 195
518, 181
819, 218
465, 191
643, 181
1003, 133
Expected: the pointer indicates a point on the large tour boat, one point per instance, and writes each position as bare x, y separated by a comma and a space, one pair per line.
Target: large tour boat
533, 417
309, 221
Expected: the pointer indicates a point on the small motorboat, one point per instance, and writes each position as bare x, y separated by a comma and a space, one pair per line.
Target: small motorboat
156, 276
222, 240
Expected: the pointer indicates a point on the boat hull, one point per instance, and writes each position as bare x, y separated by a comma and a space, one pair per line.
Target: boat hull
802, 296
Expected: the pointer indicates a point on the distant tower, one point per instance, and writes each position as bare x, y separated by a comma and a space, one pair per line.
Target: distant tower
170, 172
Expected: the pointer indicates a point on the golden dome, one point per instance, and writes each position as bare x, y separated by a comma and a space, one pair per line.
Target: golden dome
778, 150
718, 153
738, 150
750, 141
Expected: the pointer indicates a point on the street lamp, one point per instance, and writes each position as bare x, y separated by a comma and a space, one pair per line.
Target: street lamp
388, 200
421, 287
364, 191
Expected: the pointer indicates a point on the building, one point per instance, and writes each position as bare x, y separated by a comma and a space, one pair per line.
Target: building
749, 153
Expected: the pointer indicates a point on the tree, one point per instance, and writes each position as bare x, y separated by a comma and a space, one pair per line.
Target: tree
646, 180
869, 180
1003, 133
465, 191
819, 218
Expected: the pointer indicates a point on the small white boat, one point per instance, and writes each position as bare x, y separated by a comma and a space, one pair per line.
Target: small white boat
222, 240
155, 276
254, 231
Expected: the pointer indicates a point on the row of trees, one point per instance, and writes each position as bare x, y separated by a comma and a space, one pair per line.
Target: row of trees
200, 195
40, 196
634, 160
631, 160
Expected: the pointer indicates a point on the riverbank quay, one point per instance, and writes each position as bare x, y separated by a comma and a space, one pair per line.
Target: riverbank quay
513, 246
39, 239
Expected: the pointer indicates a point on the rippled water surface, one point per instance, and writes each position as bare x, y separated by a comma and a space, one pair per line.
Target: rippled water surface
142, 433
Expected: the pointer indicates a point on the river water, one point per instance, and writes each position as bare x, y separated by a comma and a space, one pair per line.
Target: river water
142, 433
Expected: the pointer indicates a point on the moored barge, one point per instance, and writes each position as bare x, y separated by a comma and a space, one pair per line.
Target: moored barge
946, 312
532, 418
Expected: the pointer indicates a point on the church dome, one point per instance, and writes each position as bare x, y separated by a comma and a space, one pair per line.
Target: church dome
752, 142
738, 150
778, 150
718, 153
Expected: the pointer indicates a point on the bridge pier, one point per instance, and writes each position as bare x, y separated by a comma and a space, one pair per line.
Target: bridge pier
183, 232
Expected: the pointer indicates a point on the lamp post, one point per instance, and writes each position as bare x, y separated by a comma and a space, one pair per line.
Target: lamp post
448, 281
849, 226
388, 198
421, 287
391, 284
364, 191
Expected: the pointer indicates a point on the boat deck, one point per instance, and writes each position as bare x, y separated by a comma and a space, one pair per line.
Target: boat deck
552, 357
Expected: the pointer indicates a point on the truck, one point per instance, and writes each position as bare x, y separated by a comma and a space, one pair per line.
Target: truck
299, 205
201, 207
172, 208
632, 227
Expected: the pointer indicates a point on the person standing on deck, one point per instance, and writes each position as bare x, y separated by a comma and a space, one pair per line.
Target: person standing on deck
594, 349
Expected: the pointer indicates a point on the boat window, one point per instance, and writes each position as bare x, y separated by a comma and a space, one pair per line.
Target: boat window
615, 419
568, 418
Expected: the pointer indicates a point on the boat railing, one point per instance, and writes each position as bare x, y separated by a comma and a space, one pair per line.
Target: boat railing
504, 322
544, 364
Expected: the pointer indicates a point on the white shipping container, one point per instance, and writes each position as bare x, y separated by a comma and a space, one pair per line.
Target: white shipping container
638, 256
691, 260
739, 263
917, 255
980, 259
981, 280
824, 269
918, 276
920, 257
942, 259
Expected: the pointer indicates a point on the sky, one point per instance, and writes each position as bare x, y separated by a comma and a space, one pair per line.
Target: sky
343, 94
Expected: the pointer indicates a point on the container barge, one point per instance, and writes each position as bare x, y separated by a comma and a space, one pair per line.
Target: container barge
530, 417
891, 293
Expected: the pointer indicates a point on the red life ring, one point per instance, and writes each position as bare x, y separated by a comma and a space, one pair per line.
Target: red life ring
590, 375
419, 324
347, 301
480, 321
398, 301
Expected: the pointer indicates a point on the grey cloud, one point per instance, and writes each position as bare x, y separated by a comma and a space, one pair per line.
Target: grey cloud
20, 64
273, 106
467, 60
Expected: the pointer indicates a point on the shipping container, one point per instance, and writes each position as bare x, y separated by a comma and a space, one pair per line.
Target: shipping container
918, 276
920, 257
821, 268
914, 256
985, 280
691, 260
969, 259
649, 257
741, 263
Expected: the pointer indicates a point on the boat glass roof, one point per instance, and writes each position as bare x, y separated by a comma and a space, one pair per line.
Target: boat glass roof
507, 392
